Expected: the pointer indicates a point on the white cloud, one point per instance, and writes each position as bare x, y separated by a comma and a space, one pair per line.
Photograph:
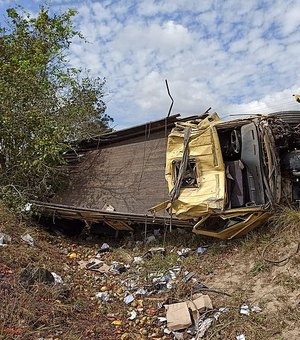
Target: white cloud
228, 55
234, 56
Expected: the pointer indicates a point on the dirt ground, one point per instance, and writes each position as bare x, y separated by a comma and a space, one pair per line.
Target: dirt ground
234, 273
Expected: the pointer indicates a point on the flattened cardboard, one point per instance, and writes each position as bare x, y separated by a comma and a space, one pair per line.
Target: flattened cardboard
178, 316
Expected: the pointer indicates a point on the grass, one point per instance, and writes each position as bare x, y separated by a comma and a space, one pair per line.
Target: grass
73, 312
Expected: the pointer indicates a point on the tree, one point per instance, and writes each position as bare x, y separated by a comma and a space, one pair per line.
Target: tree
44, 103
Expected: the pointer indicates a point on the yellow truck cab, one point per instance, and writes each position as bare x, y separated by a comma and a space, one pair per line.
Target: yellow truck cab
227, 176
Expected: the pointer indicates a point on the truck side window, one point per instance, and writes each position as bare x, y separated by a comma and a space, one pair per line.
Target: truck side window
190, 174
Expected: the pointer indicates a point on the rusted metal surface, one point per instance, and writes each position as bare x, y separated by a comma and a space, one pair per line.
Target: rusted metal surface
95, 215
230, 182
123, 170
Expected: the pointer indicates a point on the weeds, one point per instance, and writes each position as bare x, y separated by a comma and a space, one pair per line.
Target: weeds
232, 266
258, 267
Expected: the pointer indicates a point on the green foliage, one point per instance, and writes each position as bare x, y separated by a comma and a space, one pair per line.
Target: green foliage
44, 104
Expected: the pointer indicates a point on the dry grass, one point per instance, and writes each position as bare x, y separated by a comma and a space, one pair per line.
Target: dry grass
72, 312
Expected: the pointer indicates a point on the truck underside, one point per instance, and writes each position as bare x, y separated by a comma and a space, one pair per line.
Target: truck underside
224, 178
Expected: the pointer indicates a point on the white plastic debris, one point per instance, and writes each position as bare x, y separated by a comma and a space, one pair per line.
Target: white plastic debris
4, 239
223, 309
29, 239
162, 319
130, 284
167, 331
128, 299
219, 312
169, 285
187, 276
150, 239
204, 326
27, 207
132, 315
172, 275
108, 207
240, 337
184, 252
245, 310
57, 279
105, 247
141, 291
138, 260
201, 250
256, 309
179, 335
104, 296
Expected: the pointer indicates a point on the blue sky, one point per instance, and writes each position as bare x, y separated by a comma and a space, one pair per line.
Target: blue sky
234, 56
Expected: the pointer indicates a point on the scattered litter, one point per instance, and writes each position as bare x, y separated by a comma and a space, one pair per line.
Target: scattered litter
139, 243
162, 282
240, 337
57, 278
184, 252
141, 291
4, 239
178, 315
108, 207
128, 299
105, 248
179, 335
162, 319
130, 284
138, 260
256, 309
27, 207
132, 315
72, 256
204, 326
200, 303
219, 312
205, 323
104, 296
167, 331
201, 250
29, 239
99, 266
155, 251
117, 322
150, 239
224, 309
245, 310
118, 268
188, 276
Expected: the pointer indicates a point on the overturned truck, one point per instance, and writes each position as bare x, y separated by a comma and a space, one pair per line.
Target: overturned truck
224, 178
229, 176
